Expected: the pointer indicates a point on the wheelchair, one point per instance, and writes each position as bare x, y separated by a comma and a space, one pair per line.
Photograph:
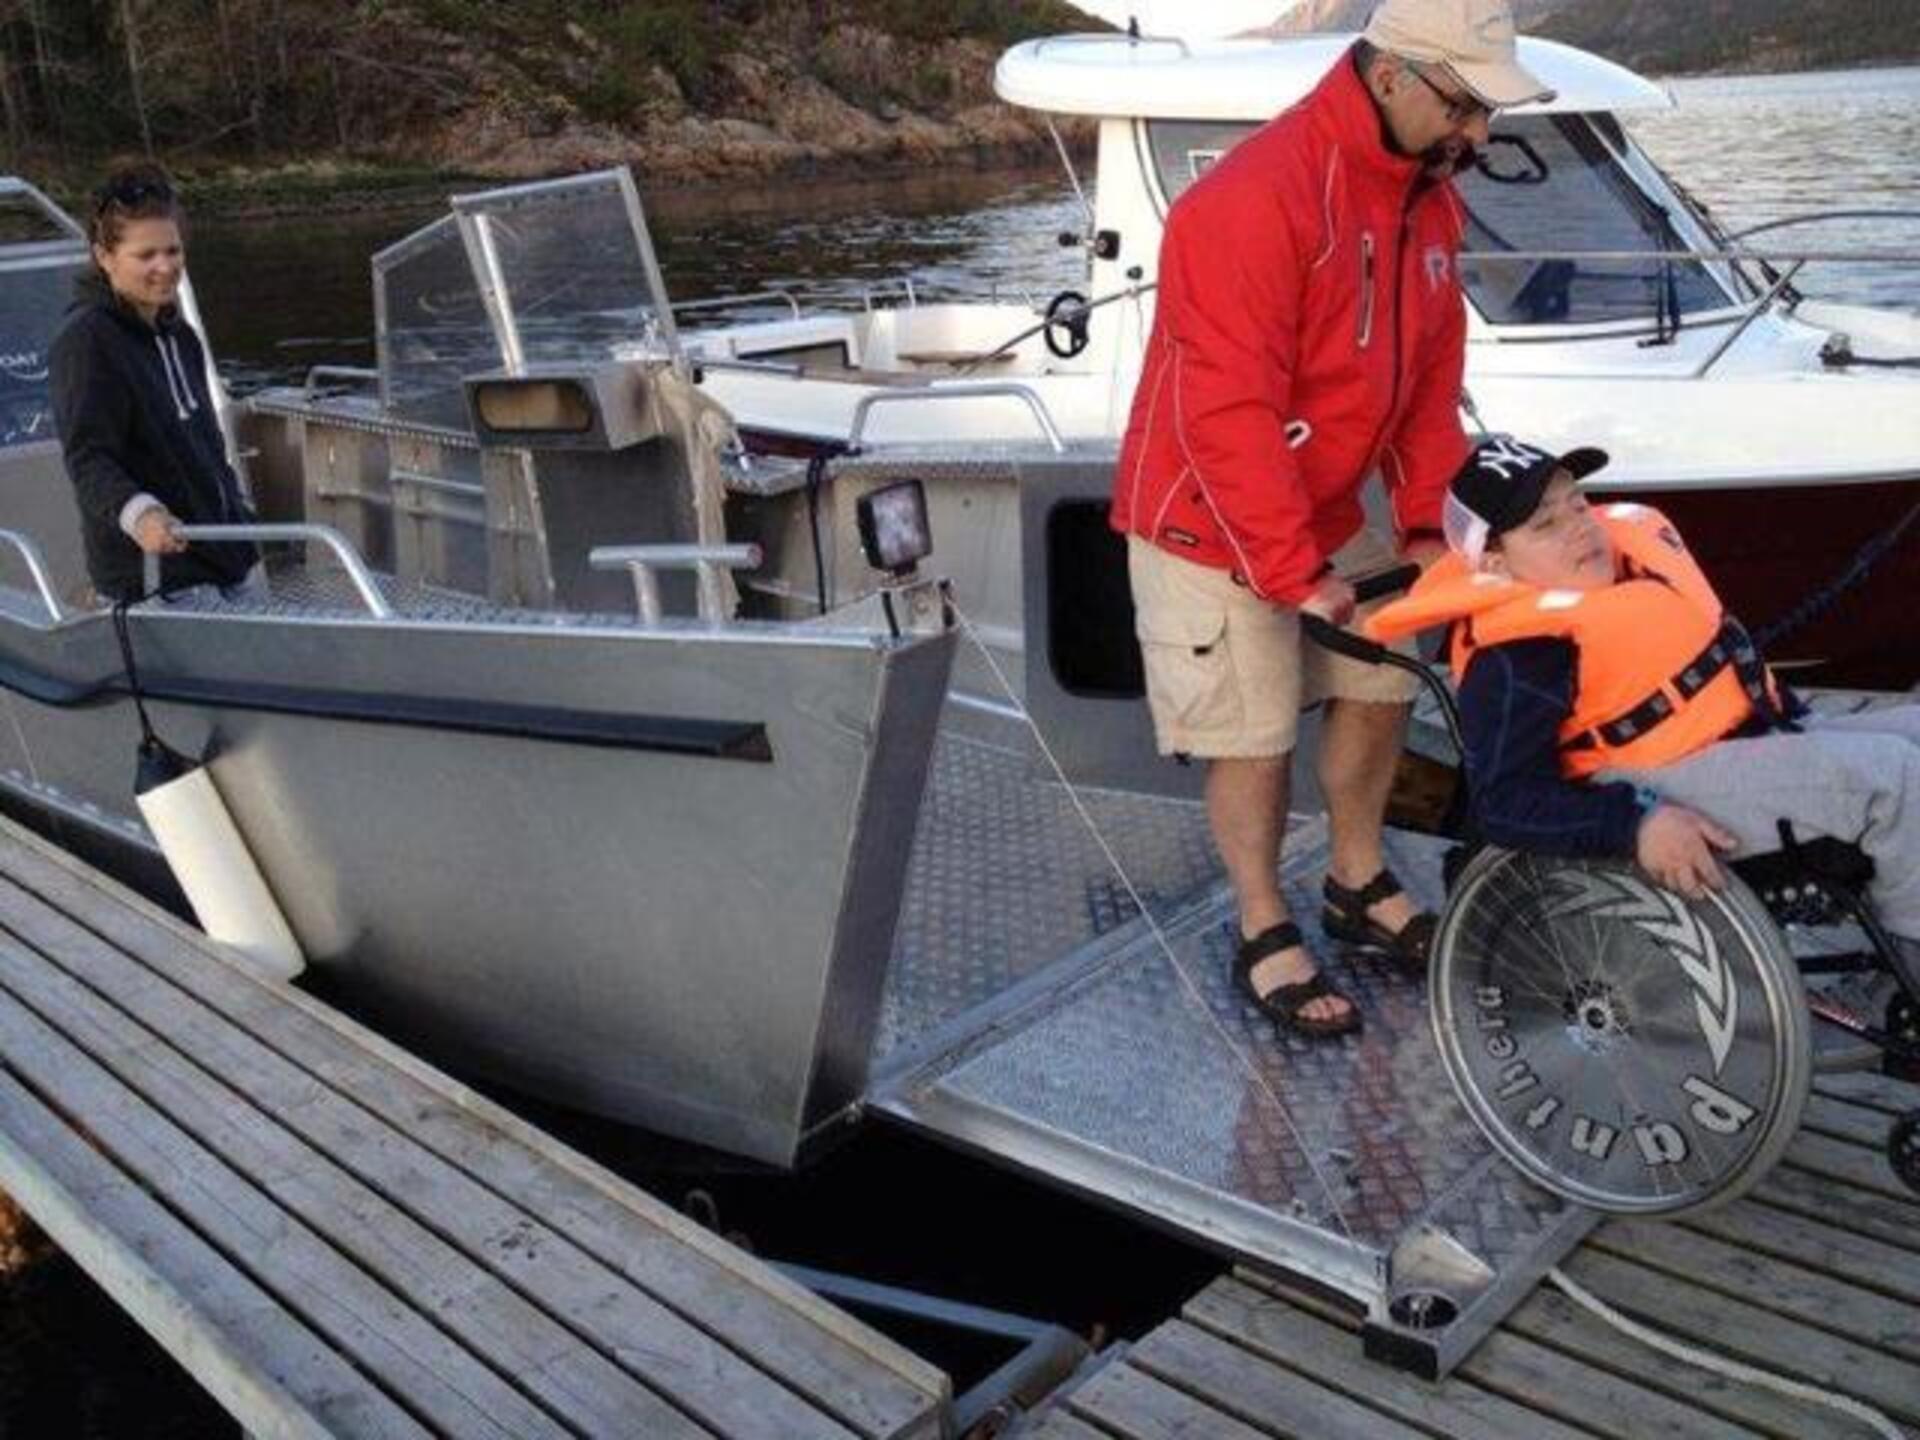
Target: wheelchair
1631, 1049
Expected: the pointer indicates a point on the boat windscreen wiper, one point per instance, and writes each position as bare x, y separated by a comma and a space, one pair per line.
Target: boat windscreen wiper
1666, 294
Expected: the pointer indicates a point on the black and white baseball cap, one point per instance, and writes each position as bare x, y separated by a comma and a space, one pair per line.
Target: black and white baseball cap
1500, 486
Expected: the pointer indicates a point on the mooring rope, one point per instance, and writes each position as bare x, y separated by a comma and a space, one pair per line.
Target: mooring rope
1721, 1365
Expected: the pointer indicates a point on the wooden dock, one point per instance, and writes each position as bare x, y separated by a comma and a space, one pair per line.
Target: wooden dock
1815, 1275
335, 1239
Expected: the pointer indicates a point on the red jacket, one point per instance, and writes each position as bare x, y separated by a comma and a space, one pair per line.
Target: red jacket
1307, 285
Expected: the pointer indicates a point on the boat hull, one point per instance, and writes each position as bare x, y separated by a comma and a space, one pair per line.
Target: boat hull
1771, 548
653, 875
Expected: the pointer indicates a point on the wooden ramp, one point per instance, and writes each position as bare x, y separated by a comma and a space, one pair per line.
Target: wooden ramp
334, 1239
1816, 1276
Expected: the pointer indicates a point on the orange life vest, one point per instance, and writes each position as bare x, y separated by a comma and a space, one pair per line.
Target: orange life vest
1663, 671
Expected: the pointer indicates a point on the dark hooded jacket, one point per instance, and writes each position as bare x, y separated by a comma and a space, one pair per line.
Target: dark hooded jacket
131, 404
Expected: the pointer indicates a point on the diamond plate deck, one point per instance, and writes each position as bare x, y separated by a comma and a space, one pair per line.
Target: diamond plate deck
1139, 1073
1006, 878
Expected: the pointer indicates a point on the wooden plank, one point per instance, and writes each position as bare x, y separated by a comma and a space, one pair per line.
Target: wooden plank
1585, 1395
508, 1331
1554, 1320
269, 1372
1286, 1335
871, 1383
1866, 1087
1240, 1383
684, 1363
406, 1354
1847, 1254
1061, 1424
1865, 1212
1856, 1165
1839, 1119
1751, 1333
1132, 1405
1764, 1280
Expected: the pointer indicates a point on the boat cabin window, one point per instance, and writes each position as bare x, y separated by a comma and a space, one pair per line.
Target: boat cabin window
1184, 150
1549, 183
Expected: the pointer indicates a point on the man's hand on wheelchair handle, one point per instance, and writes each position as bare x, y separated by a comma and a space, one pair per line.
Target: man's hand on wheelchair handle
1331, 599
1677, 846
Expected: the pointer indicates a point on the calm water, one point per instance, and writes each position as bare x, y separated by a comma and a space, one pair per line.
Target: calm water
281, 295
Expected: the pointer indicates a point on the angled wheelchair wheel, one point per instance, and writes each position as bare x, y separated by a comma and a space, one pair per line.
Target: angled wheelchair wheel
1624, 1047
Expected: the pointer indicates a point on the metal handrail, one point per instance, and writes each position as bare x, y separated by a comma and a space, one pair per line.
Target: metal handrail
326, 535
336, 372
764, 367
1783, 257
1816, 217
1754, 312
722, 302
706, 561
1108, 37
37, 567
903, 284
1002, 389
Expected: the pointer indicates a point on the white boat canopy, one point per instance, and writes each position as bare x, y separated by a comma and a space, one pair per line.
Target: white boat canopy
1171, 79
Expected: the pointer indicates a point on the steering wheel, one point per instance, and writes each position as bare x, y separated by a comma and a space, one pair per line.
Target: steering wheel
1066, 329
1532, 169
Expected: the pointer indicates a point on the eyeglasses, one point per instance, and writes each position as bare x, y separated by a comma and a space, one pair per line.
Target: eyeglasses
1460, 109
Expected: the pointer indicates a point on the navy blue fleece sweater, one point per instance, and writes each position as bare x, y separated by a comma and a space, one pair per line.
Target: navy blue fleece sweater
1513, 700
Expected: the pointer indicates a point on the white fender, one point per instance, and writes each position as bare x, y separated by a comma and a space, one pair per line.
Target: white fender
211, 861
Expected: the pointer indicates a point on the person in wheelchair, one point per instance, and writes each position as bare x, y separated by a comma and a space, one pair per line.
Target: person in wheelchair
1610, 706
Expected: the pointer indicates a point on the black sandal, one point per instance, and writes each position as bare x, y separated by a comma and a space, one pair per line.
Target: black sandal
1286, 1003
1345, 919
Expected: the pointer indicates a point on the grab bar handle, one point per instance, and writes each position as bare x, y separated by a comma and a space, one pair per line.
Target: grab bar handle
336, 372
36, 567
706, 561
326, 535
1004, 389
727, 302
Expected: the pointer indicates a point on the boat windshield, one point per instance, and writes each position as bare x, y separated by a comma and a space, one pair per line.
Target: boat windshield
569, 270
1552, 183
1546, 184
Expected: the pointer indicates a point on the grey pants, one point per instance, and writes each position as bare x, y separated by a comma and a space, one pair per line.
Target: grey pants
1856, 777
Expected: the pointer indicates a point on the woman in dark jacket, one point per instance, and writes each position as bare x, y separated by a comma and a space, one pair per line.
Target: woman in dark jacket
131, 403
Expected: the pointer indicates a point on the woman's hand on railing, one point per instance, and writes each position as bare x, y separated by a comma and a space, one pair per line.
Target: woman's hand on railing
156, 532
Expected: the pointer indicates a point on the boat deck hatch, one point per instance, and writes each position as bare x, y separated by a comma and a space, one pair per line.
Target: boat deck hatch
1035, 1017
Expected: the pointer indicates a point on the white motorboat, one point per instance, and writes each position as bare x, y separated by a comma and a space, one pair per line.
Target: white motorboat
1606, 308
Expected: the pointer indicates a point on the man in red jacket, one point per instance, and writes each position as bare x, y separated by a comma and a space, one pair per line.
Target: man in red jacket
1309, 332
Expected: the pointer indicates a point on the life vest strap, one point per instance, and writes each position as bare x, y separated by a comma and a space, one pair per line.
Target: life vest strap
1731, 646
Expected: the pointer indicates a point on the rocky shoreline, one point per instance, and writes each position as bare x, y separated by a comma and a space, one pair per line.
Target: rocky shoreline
784, 106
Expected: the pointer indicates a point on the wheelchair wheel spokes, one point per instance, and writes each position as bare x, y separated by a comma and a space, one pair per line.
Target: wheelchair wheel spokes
1624, 1047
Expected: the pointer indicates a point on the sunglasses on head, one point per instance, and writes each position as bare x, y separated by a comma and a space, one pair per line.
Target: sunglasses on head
134, 190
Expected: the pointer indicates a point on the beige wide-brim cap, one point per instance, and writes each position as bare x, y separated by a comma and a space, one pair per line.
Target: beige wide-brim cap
1473, 38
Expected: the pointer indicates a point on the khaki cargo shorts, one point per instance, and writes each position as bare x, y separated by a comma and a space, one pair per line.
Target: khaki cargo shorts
1227, 672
